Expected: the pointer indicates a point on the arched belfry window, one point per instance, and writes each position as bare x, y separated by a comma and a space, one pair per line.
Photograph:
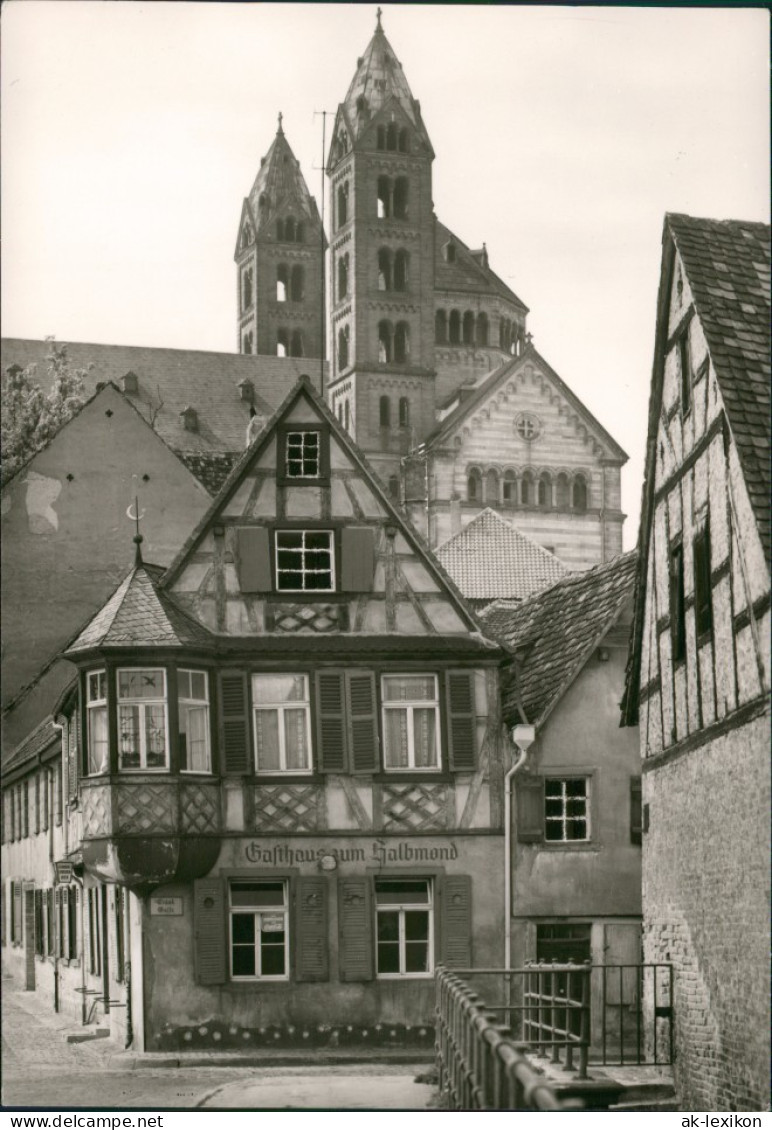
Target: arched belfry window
296, 344
343, 276
400, 198
404, 141
384, 412
455, 327
526, 489
404, 412
561, 490
282, 343
579, 493
441, 327
468, 328
381, 137
342, 203
384, 269
402, 342
289, 230
299, 233
474, 485
509, 487
282, 282
297, 284
492, 487
246, 289
343, 344
545, 490
385, 342
400, 269
450, 252
280, 230
384, 198
391, 135
482, 329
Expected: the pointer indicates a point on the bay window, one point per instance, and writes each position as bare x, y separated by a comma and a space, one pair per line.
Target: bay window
143, 740
259, 939
411, 722
96, 714
193, 715
404, 942
282, 721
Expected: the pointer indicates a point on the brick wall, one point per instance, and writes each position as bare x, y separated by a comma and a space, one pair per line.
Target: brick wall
705, 902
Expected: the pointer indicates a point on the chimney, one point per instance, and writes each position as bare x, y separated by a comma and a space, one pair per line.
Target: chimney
246, 391
189, 419
129, 383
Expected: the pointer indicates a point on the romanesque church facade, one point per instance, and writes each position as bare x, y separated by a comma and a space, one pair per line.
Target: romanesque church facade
431, 368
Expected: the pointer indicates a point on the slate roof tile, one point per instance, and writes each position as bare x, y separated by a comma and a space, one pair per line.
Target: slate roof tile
489, 559
35, 742
554, 632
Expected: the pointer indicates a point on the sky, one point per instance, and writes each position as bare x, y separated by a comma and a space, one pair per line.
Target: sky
132, 131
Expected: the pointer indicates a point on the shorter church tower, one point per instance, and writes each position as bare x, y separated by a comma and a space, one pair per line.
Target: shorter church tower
280, 261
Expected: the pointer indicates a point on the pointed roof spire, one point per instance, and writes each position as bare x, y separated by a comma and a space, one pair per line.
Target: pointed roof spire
280, 183
378, 15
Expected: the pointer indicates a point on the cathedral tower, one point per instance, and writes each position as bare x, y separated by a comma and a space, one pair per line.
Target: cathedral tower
279, 258
382, 261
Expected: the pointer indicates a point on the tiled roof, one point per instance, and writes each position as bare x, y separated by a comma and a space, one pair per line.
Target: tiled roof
210, 468
727, 265
138, 614
489, 559
281, 180
36, 741
554, 633
175, 379
469, 271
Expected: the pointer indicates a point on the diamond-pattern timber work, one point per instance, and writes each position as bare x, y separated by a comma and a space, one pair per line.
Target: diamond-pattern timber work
96, 812
414, 808
287, 808
146, 808
307, 618
200, 808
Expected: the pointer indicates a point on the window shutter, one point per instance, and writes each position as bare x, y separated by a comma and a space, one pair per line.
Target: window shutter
331, 721
702, 591
457, 921
355, 929
110, 894
72, 757
253, 559
72, 922
530, 809
461, 720
209, 931
234, 723
362, 721
636, 811
357, 545
311, 916
16, 927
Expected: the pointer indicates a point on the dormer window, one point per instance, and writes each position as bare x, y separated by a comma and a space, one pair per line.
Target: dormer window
189, 419
130, 383
450, 252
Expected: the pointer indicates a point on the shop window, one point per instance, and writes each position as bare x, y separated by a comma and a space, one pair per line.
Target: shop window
305, 561
509, 487
342, 276
703, 608
282, 723
579, 493
385, 342
404, 927
566, 809
401, 342
404, 412
343, 344
384, 269
454, 324
492, 487
142, 722
96, 721
384, 412
474, 486
410, 722
482, 329
400, 270
677, 611
441, 327
259, 934
545, 490
400, 198
193, 715
297, 283
468, 328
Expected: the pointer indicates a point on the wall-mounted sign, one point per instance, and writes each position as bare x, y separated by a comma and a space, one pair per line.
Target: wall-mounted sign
381, 852
64, 873
165, 907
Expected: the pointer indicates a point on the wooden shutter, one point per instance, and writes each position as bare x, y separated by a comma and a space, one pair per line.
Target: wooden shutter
461, 720
357, 551
16, 909
234, 723
253, 559
456, 937
72, 756
529, 793
703, 609
362, 721
209, 931
636, 812
355, 929
312, 961
331, 721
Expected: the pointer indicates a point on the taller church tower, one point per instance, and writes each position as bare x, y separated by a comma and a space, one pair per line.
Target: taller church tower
382, 262
279, 257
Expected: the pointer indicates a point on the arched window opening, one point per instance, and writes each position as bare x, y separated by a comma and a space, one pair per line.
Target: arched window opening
384, 342
289, 230
282, 343
384, 269
403, 141
509, 487
400, 198
384, 412
297, 284
384, 198
502, 334
347, 411
441, 327
468, 328
247, 343
342, 204
401, 342
381, 137
474, 485
343, 339
282, 282
492, 487
246, 289
296, 349
343, 276
391, 135
482, 329
455, 327
579, 494
280, 230
450, 252
545, 490
394, 488
526, 489
299, 233
404, 412
400, 270
561, 490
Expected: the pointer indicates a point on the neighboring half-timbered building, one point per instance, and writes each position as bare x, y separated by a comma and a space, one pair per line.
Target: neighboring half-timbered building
698, 676
289, 754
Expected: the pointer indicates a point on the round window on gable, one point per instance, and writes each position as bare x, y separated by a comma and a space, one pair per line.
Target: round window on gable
528, 426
